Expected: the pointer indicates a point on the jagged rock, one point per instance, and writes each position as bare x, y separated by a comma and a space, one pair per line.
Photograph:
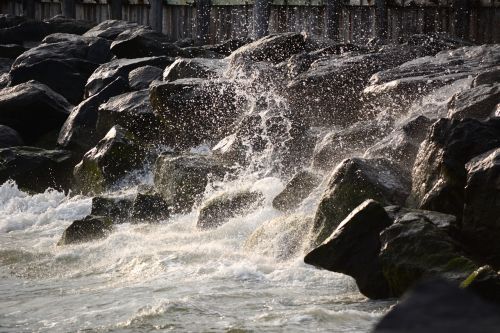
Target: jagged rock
11, 51
114, 156
348, 142
181, 180
115, 206
296, 190
401, 146
439, 174
132, 111
489, 76
352, 182
36, 169
478, 102
354, 247
149, 206
140, 78
221, 208
437, 306
143, 42
79, 131
481, 219
9, 137
56, 64
184, 68
62, 24
226, 47
108, 72
110, 29
32, 109
85, 230
194, 111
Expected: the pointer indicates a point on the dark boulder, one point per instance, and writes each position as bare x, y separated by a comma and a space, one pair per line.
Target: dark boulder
352, 182
181, 180
221, 208
226, 47
79, 131
203, 68
149, 206
11, 51
110, 29
115, 206
9, 137
141, 78
118, 153
36, 169
439, 174
9, 20
354, 247
87, 229
32, 109
24, 31
143, 42
478, 102
296, 190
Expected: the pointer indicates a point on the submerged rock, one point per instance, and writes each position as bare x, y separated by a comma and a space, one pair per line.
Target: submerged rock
142, 77
36, 169
118, 153
183, 68
9, 137
221, 208
85, 230
296, 190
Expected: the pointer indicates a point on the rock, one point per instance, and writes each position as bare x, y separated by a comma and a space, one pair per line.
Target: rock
348, 142
36, 169
56, 64
79, 131
24, 31
221, 208
199, 52
149, 206
115, 155
354, 247
481, 219
32, 109
193, 111
439, 174
143, 42
478, 102
489, 76
85, 230
352, 182
116, 207
11, 51
9, 20
181, 180
183, 68
140, 78
437, 306
9, 137
107, 73
132, 111
62, 24
226, 47
110, 29
296, 190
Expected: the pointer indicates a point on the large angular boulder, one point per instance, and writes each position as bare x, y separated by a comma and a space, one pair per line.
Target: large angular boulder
439, 174
223, 207
352, 182
481, 219
149, 206
87, 229
115, 206
143, 42
118, 153
142, 77
9, 137
296, 190
36, 169
181, 180
354, 247
183, 68
79, 131
110, 29
194, 111
478, 102
32, 109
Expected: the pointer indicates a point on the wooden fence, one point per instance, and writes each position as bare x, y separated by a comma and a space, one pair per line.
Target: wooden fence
344, 20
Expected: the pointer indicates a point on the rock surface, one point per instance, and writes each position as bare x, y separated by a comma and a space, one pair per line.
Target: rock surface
9, 137
296, 190
183, 68
88, 229
478, 102
143, 42
142, 77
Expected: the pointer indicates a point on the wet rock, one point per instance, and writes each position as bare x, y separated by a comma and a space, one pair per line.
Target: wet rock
438, 306
149, 206
79, 131
181, 180
478, 102
221, 208
110, 29
115, 206
87, 229
132, 111
199, 52
439, 174
118, 153
193, 111
296, 190
9, 137
143, 42
226, 47
481, 219
9, 20
107, 73
36, 169
184, 68
62, 24
354, 247
11, 51
24, 31
140, 78
352, 182
56, 64
489, 76
32, 109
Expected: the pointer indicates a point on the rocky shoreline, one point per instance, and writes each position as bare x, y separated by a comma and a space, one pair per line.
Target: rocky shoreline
403, 141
